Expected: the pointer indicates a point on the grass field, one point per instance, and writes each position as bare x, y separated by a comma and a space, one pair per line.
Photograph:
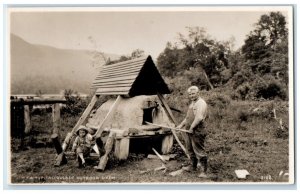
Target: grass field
242, 135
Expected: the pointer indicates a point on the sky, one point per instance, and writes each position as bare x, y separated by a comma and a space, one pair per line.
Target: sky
122, 30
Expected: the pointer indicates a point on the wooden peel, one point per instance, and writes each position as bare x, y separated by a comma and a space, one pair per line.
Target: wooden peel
169, 113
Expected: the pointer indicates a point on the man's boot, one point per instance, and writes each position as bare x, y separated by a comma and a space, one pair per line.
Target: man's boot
79, 162
192, 165
202, 165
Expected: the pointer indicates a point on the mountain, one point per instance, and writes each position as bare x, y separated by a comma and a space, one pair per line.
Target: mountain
49, 70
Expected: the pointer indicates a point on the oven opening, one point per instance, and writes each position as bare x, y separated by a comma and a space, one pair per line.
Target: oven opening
148, 115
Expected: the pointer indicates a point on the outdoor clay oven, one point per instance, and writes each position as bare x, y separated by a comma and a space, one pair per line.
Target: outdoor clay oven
139, 111
129, 123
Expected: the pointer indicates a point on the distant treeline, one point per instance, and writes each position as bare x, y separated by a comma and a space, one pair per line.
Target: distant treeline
258, 70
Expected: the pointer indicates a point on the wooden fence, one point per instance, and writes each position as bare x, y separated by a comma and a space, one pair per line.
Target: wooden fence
20, 114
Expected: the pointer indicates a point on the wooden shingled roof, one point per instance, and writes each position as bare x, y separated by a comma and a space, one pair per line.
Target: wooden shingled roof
133, 77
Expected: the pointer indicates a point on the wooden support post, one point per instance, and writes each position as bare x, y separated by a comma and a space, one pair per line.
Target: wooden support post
61, 158
108, 147
79, 122
56, 118
27, 119
56, 143
169, 112
122, 148
100, 146
167, 144
107, 117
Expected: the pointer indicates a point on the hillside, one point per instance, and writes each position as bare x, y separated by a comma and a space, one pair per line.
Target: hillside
49, 69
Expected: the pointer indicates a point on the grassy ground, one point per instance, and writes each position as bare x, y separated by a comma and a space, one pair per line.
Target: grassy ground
242, 135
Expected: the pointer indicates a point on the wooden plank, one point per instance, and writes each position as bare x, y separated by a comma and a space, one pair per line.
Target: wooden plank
107, 117
159, 156
27, 119
100, 77
112, 93
99, 82
108, 147
112, 85
22, 101
122, 69
56, 118
128, 64
117, 74
120, 72
119, 89
169, 112
125, 83
128, 81
116, 79
84, 115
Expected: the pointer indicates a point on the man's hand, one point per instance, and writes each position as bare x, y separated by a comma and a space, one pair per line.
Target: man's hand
191, 130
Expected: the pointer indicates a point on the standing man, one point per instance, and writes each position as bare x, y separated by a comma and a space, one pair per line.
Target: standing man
194, 123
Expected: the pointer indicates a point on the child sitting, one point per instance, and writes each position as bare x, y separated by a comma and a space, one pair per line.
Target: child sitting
82, 145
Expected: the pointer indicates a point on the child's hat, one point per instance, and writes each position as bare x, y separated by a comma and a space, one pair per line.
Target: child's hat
81, 127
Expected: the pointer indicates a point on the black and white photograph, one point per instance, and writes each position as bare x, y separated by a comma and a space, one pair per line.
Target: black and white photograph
150, 95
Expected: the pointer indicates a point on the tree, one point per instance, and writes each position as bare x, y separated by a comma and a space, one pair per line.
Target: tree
168, 60
196, 52
272, 27
137, 53
266, 48
265, 52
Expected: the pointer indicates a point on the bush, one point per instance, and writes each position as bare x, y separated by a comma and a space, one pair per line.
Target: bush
243, 115
218, 100
75, 105
281, 132
269, 88
243, 91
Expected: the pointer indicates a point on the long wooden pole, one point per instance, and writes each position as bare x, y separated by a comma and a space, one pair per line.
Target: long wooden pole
166, 106
111, 110
169, 112
79, 122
